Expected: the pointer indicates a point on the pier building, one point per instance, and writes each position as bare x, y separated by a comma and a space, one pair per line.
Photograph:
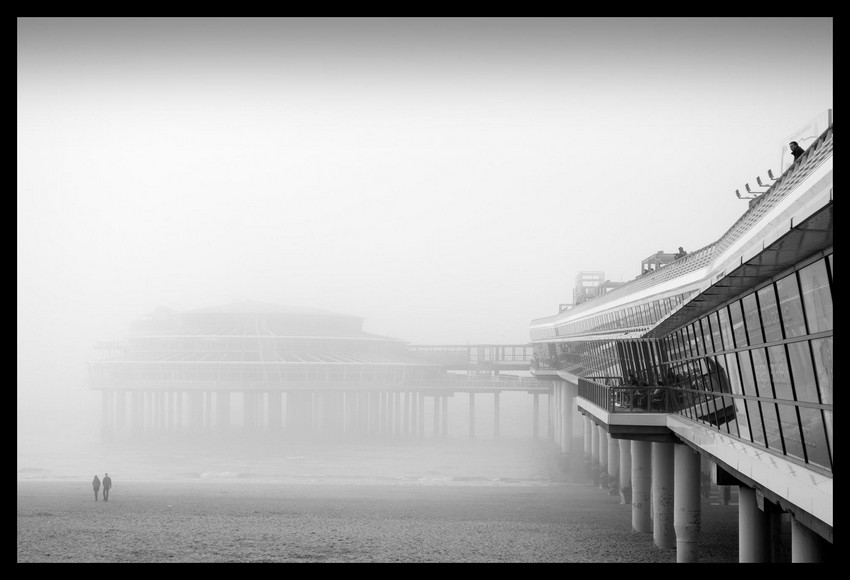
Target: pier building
719, 357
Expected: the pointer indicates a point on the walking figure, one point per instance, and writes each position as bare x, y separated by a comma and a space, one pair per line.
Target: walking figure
796, 150
95, 483
107, 484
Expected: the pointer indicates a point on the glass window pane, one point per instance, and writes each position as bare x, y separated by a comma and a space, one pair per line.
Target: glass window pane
749, 388
762, 373
751, 316
756, 427
817, 451
787, 413
726, 328
713, 320
720, 377
732, 373
769, 314
706, 335
735, 384
770, 419
779, 373
736, 317
690, 341
791, 431
748, 381
791, 307
817, 297
721, 374
803, 372
822, 349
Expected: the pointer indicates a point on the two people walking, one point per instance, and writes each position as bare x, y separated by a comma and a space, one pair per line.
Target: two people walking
107, 485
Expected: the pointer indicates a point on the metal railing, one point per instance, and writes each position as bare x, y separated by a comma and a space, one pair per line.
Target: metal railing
619, 398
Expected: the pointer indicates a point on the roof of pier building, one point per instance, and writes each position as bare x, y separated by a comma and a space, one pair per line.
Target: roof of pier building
252, 331
767, 238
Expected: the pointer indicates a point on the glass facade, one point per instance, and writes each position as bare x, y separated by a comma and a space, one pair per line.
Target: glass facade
630, 317
758, 368
772, 351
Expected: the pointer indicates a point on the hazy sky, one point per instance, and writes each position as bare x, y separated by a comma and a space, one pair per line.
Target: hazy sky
444, 179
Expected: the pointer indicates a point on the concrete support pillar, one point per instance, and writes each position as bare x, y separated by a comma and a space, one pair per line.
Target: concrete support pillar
222, 408
384, 413
594, 454
625, 471
613, 465
420, 410
322, 416
178, 411
436, 430
357, 410
390, 413
156, 412
588, 448
445, 416
663, 533
568, 396
535, 423
564, 419
344, 412
550, 414
299, 412
405, 415
687, 503
472, 415
136, 423
208, 410
121, 411
753, 528
148, 412
496, 414
806, 545
196, 411
106, 421
275, 411
555, 416
338, 422
397, 417
779, 521
374, 412
249, 410
159, 412
641, 486
168, 405
603, 457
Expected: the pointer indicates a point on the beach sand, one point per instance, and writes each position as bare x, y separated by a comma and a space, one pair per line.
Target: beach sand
431, 507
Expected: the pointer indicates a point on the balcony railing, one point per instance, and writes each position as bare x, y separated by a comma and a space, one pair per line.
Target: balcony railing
619, 398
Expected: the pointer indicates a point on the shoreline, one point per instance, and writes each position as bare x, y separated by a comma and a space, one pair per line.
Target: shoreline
215, 521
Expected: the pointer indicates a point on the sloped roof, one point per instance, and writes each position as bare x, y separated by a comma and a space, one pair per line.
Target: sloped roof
255, 307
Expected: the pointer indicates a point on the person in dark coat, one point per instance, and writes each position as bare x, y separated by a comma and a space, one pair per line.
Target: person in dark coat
107, 485
796, 150
95, 483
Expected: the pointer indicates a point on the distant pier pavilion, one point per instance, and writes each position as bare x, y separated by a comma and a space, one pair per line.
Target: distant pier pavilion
253, 368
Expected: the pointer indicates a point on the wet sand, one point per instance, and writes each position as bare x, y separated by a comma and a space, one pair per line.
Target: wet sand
211, 521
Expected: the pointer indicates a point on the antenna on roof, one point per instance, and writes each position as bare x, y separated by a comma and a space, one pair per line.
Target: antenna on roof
748, 195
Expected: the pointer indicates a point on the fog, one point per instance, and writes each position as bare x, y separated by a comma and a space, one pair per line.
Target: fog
443, 179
